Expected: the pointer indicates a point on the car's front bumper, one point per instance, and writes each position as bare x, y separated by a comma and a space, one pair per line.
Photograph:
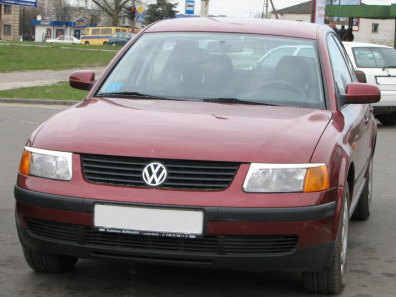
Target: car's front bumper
234, 238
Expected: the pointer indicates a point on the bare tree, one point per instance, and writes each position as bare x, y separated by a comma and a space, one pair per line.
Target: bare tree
113, 8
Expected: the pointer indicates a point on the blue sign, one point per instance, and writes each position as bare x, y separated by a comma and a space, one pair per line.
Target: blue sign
140, 18
190, 4
27, 3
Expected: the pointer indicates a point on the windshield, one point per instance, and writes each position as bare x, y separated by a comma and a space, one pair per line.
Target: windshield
219, 66
374, 57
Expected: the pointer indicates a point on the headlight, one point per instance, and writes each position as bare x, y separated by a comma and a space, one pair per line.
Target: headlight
286, 178
47, 164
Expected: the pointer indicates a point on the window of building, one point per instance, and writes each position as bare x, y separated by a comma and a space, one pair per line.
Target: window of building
374, 28
7, 9
7, 29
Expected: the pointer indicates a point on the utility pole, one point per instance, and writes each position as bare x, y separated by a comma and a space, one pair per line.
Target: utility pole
204, 8
133, 20
265, 9
274, 10
264, 15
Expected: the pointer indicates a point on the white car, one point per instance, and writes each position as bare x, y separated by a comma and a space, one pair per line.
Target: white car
65, 39
271, 58
376, 65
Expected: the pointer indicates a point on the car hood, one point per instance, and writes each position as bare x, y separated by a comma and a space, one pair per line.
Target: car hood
185, 130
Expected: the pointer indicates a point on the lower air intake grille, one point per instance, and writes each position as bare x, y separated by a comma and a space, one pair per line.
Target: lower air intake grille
224, 244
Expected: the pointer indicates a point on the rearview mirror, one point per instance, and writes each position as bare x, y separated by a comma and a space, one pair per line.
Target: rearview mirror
360, 93
82, 80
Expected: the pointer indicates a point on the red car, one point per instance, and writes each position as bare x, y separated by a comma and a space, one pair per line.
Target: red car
184, 154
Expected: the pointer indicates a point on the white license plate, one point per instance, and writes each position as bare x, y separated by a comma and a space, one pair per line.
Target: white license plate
386, 80
148, 220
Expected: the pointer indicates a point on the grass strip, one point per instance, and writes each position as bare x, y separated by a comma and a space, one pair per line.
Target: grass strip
58, 91
52, 57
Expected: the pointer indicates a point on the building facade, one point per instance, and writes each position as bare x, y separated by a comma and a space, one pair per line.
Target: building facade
9, 22
376, 31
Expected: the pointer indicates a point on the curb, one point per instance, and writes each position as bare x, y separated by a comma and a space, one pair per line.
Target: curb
38, 101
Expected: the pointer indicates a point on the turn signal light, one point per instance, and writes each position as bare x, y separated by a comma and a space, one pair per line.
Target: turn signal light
25, 163
317, 179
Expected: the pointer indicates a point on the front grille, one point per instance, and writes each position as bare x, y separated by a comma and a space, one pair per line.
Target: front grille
182, 174
213, 244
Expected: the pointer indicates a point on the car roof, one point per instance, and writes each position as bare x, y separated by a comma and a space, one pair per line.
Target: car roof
231, 25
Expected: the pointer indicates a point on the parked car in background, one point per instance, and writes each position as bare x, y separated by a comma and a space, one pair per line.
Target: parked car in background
64, 39
376, 64
202, 162
99, 35
271, 58
120, 38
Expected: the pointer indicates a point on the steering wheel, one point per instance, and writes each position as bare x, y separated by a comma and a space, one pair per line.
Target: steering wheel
282, 84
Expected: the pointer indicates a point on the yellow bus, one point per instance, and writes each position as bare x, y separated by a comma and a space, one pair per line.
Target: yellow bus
99, 35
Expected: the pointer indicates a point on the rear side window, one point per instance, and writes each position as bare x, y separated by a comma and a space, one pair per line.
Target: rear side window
374, 57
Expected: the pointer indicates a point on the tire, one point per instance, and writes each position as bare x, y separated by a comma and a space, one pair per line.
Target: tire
113, 44
331, 280
105, 43
387, 119
43, 262
362, 210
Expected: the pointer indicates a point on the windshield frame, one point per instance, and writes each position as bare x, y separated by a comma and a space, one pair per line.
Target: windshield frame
233, 51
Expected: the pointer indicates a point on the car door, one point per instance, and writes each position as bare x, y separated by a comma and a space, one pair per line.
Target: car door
358, 118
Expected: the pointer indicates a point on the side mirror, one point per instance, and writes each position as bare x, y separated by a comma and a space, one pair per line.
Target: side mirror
82, 80
360, 93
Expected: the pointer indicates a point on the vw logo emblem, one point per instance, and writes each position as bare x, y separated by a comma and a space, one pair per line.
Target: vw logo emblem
154, 174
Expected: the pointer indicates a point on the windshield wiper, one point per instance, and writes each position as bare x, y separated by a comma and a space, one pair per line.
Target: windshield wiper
235, 100
130, 95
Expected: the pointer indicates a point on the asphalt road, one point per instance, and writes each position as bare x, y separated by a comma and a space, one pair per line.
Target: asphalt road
371, 270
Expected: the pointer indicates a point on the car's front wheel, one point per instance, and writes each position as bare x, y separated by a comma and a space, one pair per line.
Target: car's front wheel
331, 280
387, 119
44, 262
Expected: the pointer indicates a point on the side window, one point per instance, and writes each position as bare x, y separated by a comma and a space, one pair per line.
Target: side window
339, 64
105, 31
